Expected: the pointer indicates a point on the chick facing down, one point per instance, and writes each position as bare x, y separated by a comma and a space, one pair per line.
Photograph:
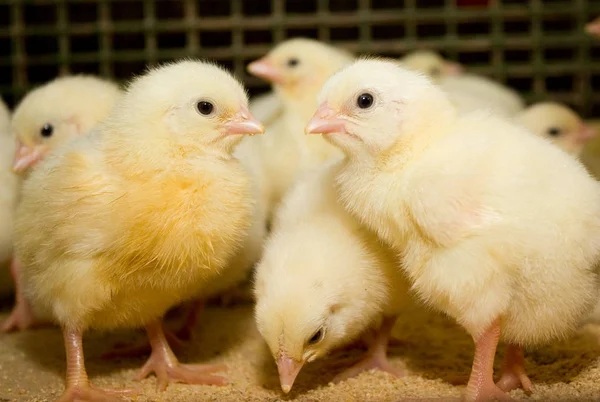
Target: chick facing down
557, 123
323, 281
497, 227
142, 212
296, 68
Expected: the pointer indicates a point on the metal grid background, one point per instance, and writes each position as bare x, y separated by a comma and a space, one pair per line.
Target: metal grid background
538, 47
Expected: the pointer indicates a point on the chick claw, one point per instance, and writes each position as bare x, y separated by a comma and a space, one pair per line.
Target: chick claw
82, 393
513, 373
166, 367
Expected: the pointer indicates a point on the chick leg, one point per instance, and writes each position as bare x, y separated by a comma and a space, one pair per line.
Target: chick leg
513, 370
21, 316
78, 385
194, 308
376, 356
481, 385
167, 368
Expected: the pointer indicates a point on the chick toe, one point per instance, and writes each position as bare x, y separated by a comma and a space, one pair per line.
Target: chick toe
513, 371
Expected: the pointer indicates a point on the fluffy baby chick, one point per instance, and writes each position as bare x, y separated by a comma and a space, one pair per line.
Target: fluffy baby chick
432, 64
323, 281
123, 223
468, 92
55, 113
47, 118
559, 124
9, 183
465, 201
297, 68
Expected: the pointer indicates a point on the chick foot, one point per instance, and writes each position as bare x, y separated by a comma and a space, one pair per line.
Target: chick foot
142, 348
513, 370
166, 367
376, 357
193, 309
78, 386
481, 385
21, 316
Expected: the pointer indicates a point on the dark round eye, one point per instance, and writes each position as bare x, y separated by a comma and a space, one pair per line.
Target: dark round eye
46, 130
554, 131
205, 107
435, 71
293, 62
316, 338
364, 101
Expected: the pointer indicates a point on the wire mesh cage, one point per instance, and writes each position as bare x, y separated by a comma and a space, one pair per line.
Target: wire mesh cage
538, 47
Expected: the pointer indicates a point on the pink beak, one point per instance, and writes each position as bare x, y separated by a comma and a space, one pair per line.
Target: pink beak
244, 123
453, 68
593, 27
288, 371
325, 121
586, 133
26, 157
266, 70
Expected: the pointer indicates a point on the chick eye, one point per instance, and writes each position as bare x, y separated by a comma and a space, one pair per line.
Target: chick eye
317, 337
435, 72
293, 62
46, 130
364, 101
205, 107
554, 131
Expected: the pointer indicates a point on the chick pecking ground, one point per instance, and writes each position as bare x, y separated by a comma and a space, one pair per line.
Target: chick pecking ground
433, 350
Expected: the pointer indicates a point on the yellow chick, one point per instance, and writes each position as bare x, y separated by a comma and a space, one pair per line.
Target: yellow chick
468, 92
496, 227
9, 182
297, 68
431, 64
55, 113
557, 123
123, 223
323, 281
47, 118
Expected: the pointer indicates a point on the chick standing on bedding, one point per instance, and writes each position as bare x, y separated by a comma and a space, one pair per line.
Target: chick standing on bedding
125, 222
9, 183
323, 280
557, 123
47, 118
297, 68
466, 201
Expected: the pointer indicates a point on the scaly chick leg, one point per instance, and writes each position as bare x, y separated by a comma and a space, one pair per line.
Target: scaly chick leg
376, 356
167, 368
513, 370
481, 385
78, 386
21, 316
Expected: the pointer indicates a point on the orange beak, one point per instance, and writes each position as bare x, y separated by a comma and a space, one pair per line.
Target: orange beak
585, 133
26, 157
266, 70
243, 123
452, 68
325, 121
288, 371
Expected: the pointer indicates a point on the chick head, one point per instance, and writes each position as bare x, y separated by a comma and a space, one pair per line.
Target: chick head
315, 291
559, 124
371, 105
56, 112
298, 67
190, 104
431, 64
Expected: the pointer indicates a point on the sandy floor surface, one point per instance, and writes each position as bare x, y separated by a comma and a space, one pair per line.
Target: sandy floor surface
436, 350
